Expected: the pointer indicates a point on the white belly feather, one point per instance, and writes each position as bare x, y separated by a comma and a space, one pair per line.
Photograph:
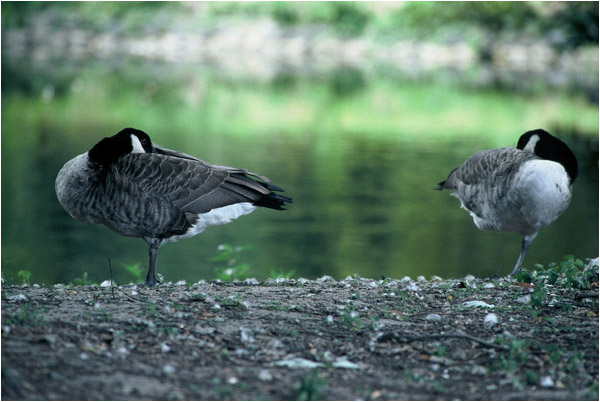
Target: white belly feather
545, 191
217, 216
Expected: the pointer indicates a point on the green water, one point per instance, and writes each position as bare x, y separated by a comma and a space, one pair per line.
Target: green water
359, 161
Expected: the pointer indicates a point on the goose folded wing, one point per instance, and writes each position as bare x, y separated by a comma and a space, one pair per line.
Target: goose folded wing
483, 165
192, 185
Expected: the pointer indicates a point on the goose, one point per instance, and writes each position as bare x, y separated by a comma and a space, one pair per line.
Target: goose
522, 189
138, 189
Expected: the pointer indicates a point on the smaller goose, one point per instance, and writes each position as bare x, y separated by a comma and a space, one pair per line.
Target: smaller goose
140, 190
522, 189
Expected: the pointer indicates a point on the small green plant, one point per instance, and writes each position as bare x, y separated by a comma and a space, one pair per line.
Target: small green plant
150, 309
24, 316
351, 318
514, 358
230, 268
231, 300
539, 294
24, 275
135, 270
310, 387
280, 273
83, 281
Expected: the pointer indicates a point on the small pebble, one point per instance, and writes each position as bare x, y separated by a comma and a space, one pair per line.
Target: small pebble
412, 287
490, 320
433, 317
265, 375
546, 382
168, 369
325, 278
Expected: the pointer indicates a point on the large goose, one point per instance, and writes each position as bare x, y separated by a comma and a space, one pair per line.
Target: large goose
522, 189
140, 190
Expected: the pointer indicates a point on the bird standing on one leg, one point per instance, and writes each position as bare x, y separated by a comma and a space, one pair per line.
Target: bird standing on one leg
160, 195
522, 189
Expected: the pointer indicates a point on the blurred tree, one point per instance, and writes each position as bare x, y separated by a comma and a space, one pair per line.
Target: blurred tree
571, 24
578, 22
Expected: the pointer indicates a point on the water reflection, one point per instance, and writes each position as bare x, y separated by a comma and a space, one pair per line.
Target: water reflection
363, 197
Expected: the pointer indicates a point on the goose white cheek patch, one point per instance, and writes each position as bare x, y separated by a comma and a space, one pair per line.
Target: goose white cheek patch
136, 145
530, 146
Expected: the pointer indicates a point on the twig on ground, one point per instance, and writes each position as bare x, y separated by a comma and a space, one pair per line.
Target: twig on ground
129, 296
408, 339
587, 295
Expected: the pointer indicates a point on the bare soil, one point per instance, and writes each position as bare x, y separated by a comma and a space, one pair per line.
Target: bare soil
297, 339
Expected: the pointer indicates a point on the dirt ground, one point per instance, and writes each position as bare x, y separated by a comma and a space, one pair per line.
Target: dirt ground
352, 339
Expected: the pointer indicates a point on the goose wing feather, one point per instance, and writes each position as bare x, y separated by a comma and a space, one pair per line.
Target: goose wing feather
484, 164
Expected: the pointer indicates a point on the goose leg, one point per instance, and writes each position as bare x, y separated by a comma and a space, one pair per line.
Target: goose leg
153, 246
527, 240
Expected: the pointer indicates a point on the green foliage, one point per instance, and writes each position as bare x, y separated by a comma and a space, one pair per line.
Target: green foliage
24, 276
230, 269
310, 387
571, 272
492, 15
345, 17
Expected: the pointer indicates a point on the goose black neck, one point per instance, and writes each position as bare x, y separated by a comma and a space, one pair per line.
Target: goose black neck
551, 148
109, 149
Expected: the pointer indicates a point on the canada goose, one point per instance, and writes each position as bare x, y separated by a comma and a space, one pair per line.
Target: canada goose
522, 189
140, 190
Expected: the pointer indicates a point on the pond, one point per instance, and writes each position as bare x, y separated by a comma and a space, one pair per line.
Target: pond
360, 161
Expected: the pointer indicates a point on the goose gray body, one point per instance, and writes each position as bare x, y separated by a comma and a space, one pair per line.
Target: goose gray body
522, 189
160, 195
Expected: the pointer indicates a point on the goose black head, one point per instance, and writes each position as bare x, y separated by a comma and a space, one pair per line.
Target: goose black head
126, 141
546, 146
